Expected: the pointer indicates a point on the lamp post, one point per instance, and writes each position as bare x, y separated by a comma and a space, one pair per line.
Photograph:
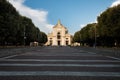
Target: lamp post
95, 37
80, 39
24, 35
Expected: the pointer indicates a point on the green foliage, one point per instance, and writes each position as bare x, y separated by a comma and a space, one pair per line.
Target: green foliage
43, 38
109, 25
88, 34
76, 37
106, 31
14, 27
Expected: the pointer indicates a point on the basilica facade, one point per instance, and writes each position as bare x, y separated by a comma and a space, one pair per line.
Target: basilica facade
59, 36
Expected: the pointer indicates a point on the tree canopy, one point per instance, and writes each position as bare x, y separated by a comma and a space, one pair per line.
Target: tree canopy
106, 31
109, 25
14, 28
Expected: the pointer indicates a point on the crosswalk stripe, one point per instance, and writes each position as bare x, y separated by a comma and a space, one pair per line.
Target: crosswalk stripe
53, 60
113, 57
64, 65
59, 73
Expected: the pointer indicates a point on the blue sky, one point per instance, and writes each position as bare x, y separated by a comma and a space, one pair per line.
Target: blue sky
72, 13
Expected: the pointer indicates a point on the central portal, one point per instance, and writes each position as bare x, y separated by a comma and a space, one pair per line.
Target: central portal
59, 43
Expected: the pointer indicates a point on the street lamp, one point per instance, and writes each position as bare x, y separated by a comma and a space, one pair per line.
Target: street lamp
80, 39
24, 35
95, 37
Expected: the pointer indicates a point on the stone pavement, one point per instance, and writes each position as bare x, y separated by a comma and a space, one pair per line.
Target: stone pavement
59, 63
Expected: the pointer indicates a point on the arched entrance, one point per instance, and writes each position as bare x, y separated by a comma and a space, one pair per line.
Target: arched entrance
67, 42
59, 43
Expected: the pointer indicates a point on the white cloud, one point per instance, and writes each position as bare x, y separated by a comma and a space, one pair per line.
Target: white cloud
115, 3
39, 17
82, 25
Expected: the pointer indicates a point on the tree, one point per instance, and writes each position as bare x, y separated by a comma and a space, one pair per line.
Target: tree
8, 23
76, 37
88, 34
109, 25
42, 38
106, 31
16, 29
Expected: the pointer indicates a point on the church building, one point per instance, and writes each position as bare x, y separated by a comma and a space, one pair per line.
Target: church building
59, 36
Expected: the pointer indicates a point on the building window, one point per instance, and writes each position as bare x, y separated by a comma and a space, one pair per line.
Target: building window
58, 35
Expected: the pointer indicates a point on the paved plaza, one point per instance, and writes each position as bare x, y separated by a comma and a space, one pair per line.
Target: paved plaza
58, 63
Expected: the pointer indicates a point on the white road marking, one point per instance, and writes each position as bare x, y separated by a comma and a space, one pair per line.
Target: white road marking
91, 52
6, 57
101, 55
59, 73
113, 57
59, 60
73, 55
10, 56
63, 65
